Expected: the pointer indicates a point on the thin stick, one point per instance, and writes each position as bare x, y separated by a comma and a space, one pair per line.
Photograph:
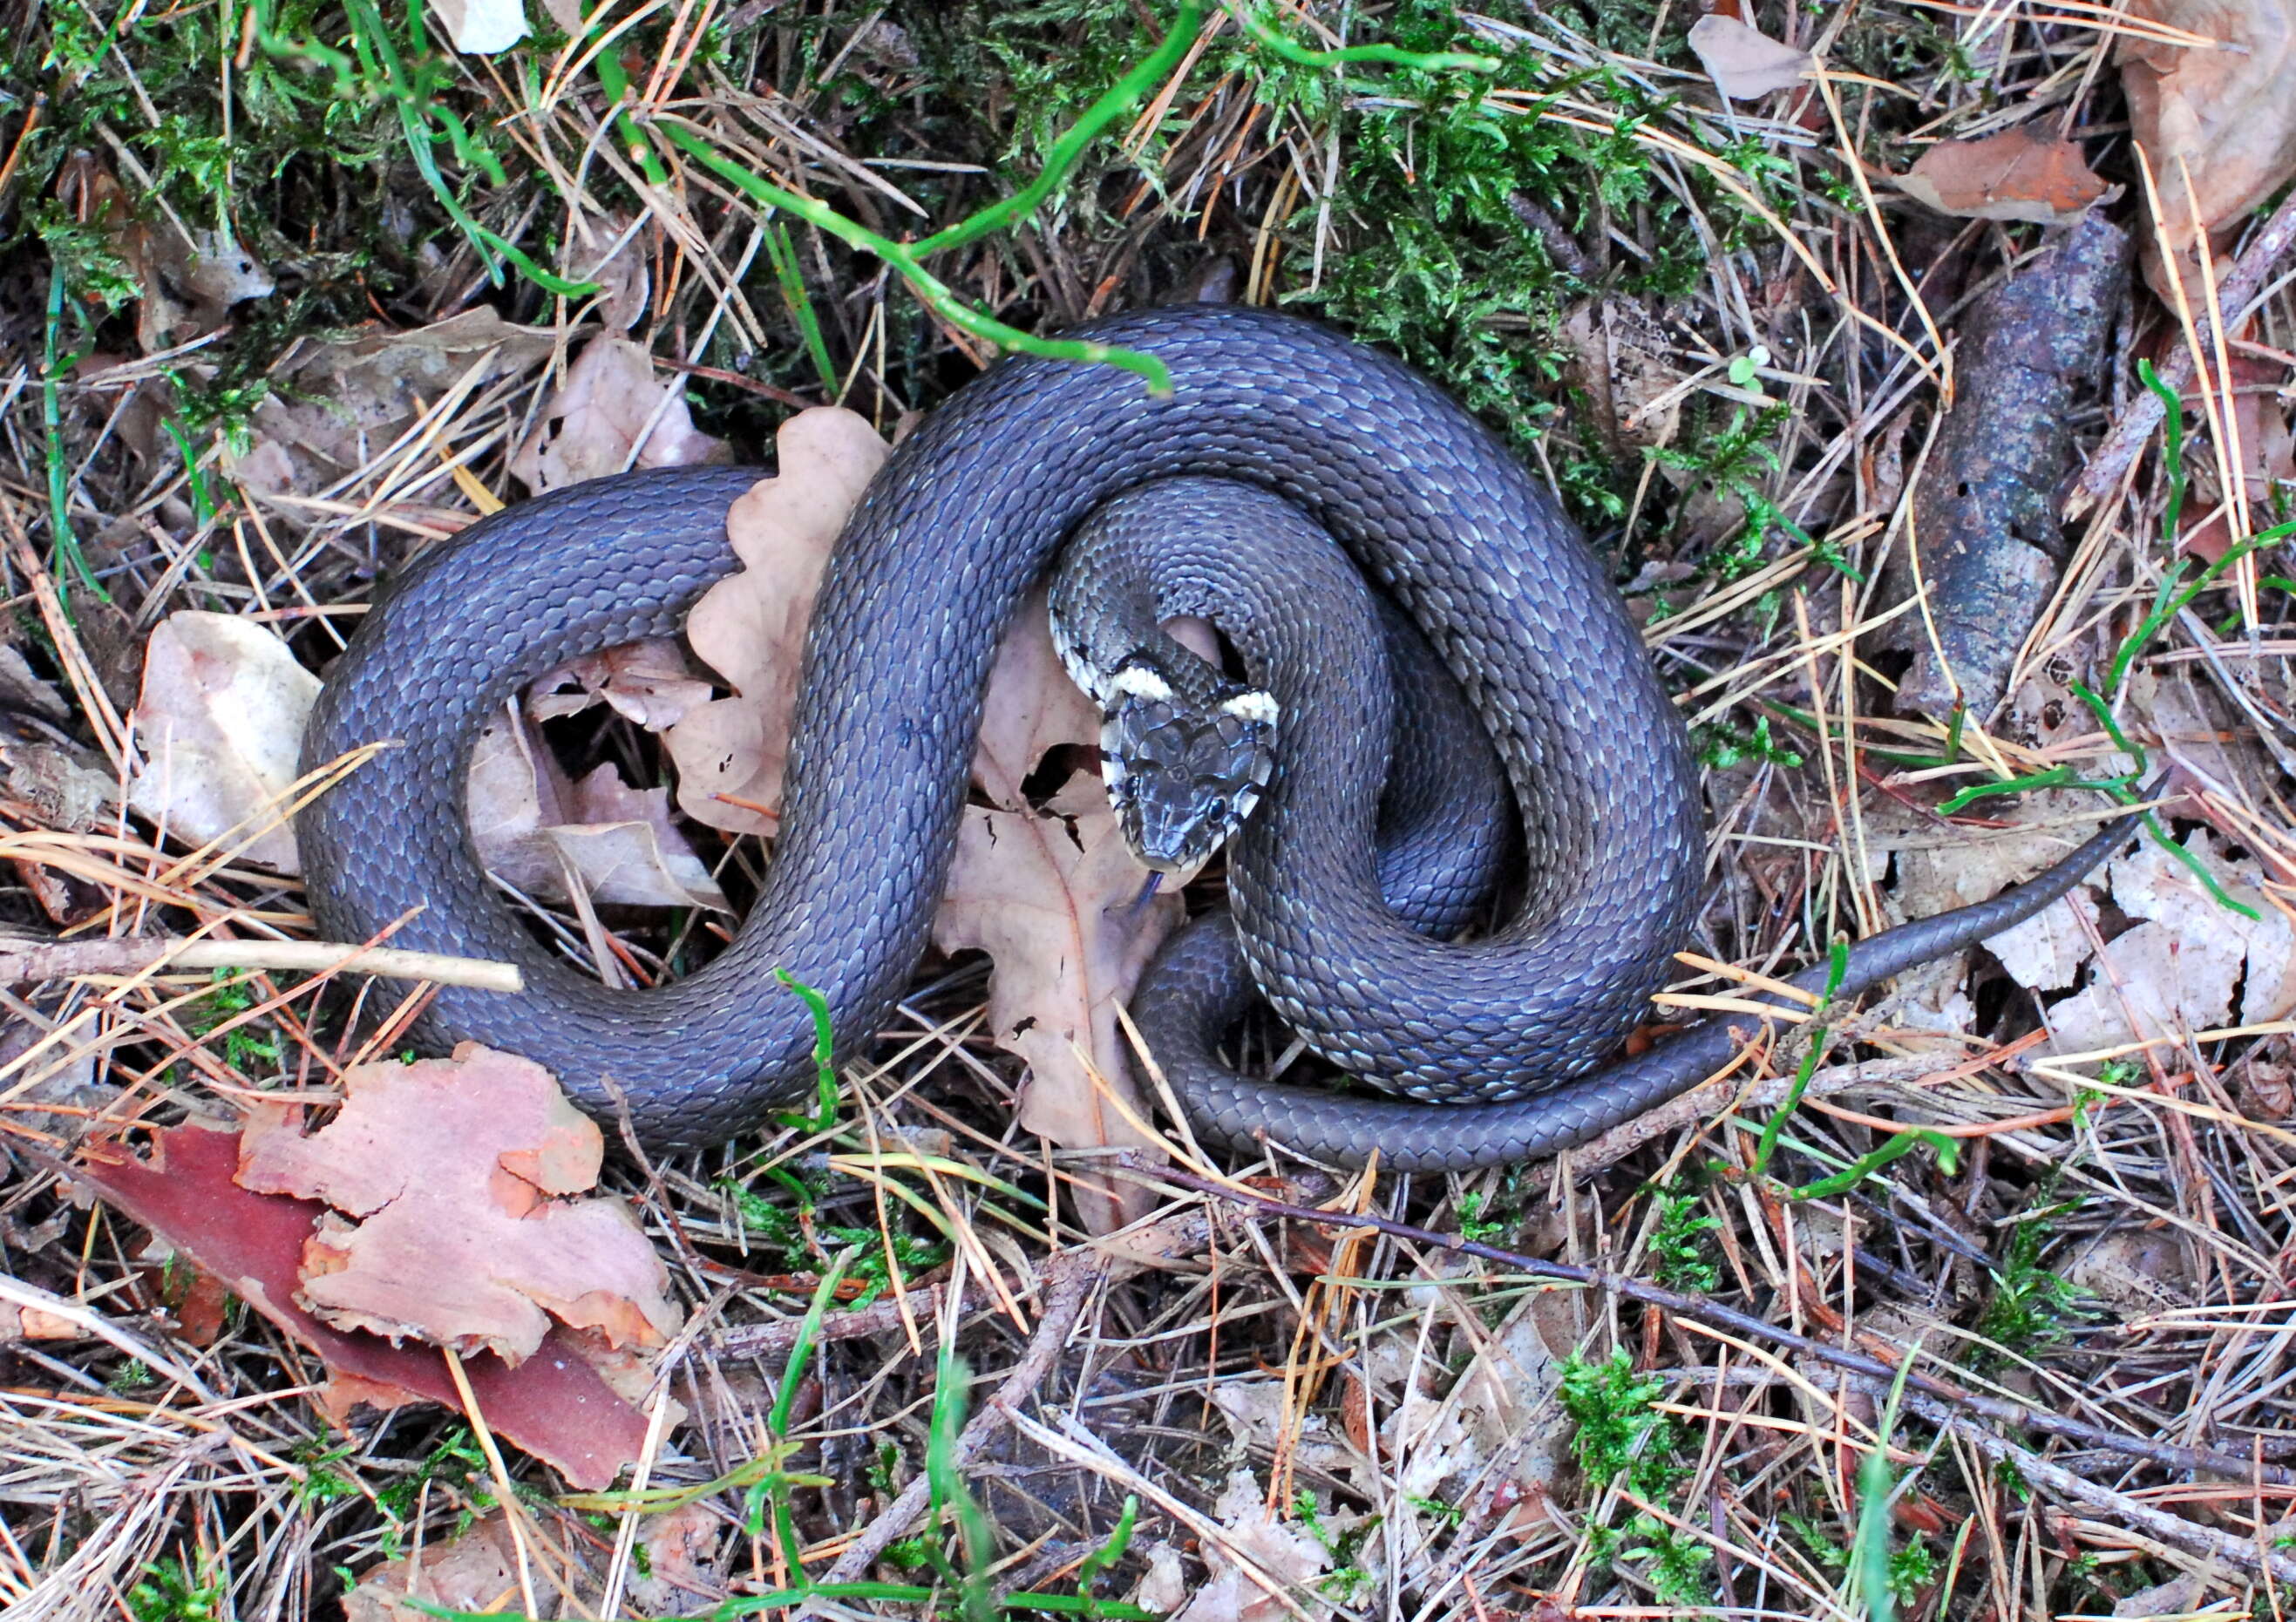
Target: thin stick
133, 954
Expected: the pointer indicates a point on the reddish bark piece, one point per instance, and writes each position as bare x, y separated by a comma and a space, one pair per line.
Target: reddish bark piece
451, 1167
554, 1404
2017, 174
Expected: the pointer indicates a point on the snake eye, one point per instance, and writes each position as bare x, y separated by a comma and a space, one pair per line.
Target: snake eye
1216, 812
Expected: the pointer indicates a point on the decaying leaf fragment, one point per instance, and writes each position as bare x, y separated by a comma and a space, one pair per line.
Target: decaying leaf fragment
2217, 127
338, 405
556, 1405
533, 826
474, 1571
750, 625
650, 684
2017, 174
1744, 62
456, 1172
1250, 1531
220, 725
2177, 969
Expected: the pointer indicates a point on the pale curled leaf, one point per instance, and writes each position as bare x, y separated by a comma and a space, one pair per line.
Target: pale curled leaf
2179, 968
611, 413
2016, 175
1744, 61
649, 683
1280, 1548
750, 625
220, 726
480, 27
450, 1174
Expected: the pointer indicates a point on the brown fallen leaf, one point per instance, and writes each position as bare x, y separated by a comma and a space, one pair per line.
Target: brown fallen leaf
609, 404
1744, 61
332, 405
554, 1404
1250, 1530
2017, 174
456, 1170
2223, 118
671, 1579
220, 726
750, 625
1050, 896
531, 825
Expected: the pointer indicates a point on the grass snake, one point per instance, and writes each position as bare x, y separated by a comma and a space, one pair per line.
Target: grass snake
964, 518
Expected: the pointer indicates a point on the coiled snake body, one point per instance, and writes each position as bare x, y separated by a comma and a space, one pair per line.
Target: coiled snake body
956, 526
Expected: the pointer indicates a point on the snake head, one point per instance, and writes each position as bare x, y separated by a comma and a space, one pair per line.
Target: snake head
1183, 772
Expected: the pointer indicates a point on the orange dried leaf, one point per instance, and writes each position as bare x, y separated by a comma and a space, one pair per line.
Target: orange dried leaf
2017, 174
455, 1169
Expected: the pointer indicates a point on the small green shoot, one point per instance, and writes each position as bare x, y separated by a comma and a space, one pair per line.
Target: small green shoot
824, 1069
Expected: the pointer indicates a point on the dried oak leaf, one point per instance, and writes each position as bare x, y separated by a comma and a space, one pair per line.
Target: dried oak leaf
336, 405
2016, 175
608, 249
220, 722
532, 825
750, 625
2226, 117
609, 404
456, 1170
2179, 968
556, 1405
1744, 61
1049, 895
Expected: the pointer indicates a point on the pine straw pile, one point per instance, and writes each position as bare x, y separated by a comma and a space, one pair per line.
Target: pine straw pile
1969, 1305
